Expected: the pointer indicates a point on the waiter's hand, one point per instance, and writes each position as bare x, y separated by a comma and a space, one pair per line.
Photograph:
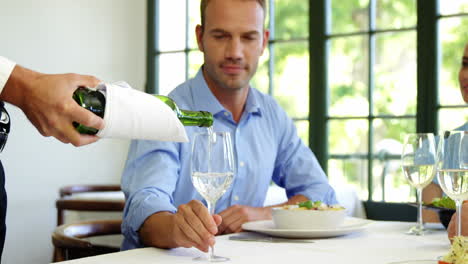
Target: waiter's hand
46, 99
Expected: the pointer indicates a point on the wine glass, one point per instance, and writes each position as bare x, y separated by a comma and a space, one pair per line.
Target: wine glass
418, 161
213, 169
452, 168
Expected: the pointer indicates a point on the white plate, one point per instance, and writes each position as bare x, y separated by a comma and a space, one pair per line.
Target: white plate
350, 225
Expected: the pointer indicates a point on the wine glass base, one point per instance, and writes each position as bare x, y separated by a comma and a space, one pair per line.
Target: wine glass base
211, 259
417, 231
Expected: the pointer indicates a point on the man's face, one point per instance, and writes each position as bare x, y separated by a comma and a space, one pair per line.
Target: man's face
232, 40
463, 75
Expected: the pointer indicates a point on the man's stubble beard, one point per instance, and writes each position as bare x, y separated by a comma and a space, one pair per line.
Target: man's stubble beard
226, 83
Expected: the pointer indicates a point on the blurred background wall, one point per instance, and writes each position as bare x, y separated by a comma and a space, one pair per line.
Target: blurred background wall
105, 38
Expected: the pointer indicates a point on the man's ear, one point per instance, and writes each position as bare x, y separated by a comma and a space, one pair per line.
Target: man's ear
266, 36
199, 34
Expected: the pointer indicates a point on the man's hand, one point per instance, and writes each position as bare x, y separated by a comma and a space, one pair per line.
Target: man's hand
46, 99
236, 215
191, 226
452, 228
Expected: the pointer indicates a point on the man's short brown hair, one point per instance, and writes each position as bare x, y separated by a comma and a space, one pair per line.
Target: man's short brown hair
204, 4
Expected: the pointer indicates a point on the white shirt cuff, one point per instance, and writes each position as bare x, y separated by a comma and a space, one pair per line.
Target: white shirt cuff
6, 67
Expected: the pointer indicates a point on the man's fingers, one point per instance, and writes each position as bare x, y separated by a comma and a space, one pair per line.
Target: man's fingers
68, 134
235, 226
86, 117
188, 231
194, 226
196, 231
232, 223
181, 239
229, 216
218, 219
228, 212
85, 140
202, 212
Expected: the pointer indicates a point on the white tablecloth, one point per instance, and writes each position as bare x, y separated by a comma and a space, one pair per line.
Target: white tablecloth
381, 242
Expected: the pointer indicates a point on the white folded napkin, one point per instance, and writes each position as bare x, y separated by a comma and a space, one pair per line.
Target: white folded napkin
131, 114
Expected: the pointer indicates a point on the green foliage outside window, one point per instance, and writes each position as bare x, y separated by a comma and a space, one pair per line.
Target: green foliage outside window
395, 87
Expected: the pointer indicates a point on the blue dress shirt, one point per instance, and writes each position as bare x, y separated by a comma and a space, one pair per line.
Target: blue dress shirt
157, 174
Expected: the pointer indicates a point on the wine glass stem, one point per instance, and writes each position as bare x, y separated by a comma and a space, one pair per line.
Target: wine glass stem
420, 220
211, 208
459, 212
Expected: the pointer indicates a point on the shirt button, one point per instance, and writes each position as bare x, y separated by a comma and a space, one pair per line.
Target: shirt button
226, 113
236, 198
242, 164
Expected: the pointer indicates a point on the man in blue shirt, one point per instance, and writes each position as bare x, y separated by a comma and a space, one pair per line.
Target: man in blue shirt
162, 207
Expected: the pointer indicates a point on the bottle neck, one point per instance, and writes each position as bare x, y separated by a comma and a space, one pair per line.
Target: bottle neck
187, 117
195, 118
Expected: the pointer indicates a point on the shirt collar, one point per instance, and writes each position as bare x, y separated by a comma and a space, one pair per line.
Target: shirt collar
204, 99
251, 105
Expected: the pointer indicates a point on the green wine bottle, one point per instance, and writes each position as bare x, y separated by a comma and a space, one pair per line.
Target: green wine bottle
95, 101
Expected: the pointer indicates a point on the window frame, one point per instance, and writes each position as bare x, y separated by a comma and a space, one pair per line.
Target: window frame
428, 66
153, 50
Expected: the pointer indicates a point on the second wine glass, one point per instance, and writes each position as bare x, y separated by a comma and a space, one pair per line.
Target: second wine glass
452, 168
213, 170
418, 161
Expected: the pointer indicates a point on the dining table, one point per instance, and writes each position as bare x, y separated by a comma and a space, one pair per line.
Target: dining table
375, 242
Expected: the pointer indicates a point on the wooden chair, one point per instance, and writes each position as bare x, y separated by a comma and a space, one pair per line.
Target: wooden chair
72, 189
70, 243
66, 203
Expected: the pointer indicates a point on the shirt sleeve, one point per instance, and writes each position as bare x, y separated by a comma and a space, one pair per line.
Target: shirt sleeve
148, 181
6, 67
296, 167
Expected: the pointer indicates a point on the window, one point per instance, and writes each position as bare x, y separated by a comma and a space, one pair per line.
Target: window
453, 24
173, 55
355, 76
379, 85
372, 84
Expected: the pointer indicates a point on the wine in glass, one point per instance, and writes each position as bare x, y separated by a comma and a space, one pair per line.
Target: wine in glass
213, 169
418, 161
452, 168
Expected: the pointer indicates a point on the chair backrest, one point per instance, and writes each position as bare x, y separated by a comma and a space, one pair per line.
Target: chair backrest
71, 199
69, 241
68, 202
72, 189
